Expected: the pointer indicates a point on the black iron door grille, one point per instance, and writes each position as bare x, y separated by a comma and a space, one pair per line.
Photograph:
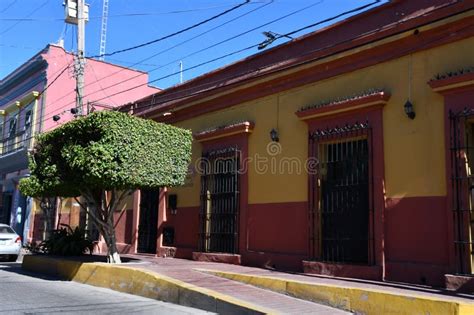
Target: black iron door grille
219, 213
462, 181
341, 195
148, 221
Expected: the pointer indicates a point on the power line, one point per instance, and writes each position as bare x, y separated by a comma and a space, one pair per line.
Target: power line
175, 33
161, 52
206, 48
55, 79
28, 15
285, 68
223, 80
136, 14
9, 5
206, 62
243, 49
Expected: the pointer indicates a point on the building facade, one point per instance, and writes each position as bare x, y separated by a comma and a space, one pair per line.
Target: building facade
37, 97
345, 152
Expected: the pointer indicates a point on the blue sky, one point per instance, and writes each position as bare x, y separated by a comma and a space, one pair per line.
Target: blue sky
26, 26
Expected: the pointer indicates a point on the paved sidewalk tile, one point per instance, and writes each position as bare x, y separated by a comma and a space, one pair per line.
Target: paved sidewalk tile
184, 270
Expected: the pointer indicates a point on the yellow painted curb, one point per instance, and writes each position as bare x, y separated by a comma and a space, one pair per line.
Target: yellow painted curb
140, 282
360, 300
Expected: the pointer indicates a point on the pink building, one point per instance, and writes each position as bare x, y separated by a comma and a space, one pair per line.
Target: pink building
37, 97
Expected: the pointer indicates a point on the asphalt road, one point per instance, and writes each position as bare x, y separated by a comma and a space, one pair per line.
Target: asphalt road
26, 293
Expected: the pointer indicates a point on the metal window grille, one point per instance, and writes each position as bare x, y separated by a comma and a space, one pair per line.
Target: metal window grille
341, 206
220, 192
462, 181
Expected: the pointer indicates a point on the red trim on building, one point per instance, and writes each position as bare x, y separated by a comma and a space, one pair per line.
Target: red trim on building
225, 131
451, 83
373, 115
225, 258
240, 141
343, 270
456, 99
377, 99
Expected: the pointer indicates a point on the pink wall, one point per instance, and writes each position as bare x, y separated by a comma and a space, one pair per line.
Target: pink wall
61, 95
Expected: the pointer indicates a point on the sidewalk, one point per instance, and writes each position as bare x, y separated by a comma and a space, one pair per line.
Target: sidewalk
216, 276
185, 270
232, 289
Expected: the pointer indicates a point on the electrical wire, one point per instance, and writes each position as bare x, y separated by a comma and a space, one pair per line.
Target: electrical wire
204, 49
174, 33
144, 114
252, 46
159, 53
240, 74
9, 5
28, 15
198, 65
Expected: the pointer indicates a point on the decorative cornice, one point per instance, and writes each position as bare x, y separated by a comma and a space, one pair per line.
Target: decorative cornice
22, 102
375, 97
452, 80
224, 131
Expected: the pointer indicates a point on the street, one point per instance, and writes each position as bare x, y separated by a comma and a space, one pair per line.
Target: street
26, 293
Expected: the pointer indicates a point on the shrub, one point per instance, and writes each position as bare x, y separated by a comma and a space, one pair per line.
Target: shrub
67, 242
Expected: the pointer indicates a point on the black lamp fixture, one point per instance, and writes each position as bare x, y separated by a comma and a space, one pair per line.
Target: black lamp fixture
274, 135
409, 111
74, 111
56, 118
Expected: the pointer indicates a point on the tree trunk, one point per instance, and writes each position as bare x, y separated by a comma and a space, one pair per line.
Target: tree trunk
113, 256
48, 207
101, 210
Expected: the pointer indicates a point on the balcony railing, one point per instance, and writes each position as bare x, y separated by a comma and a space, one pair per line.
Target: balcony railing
19, 141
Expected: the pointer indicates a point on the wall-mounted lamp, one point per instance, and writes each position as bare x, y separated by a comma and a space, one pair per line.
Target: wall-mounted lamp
409, 111
73, 111
274, 135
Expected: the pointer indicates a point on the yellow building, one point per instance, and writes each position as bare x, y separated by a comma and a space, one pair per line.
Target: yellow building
342, 152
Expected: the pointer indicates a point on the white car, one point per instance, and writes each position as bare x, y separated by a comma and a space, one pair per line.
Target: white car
10, 243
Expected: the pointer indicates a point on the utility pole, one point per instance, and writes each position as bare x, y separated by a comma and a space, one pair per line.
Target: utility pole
77, 13
80, 61
181, 72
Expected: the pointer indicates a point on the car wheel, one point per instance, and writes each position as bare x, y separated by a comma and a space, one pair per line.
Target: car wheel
12, 258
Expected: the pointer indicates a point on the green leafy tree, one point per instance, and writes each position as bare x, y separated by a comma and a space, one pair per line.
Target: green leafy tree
104, 157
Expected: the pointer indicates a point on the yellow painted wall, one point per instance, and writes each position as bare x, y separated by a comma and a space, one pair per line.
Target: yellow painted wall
414, 149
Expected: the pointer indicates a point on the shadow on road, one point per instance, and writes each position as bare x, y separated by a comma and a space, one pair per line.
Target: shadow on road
15, 267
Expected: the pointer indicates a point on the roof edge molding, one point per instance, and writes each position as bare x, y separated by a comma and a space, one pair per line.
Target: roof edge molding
25, 100
451, 81
337, 106
245, 127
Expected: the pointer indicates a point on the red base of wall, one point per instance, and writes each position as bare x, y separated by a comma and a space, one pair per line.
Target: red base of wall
419, 273
270, 260
462, 284
343, 270
217, 257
